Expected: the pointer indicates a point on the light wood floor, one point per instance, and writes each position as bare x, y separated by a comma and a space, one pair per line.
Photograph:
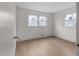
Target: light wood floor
45, 47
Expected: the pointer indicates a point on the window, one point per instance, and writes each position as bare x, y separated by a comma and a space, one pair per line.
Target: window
42, 21
70, 20
32, 20
35, 21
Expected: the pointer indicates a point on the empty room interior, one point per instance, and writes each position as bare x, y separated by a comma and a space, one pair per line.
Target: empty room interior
38, 28
45, 28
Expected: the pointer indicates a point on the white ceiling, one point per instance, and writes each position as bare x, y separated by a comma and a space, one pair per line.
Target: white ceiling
48, 7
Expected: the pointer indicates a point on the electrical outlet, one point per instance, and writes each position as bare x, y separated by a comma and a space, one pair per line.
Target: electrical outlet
42, 34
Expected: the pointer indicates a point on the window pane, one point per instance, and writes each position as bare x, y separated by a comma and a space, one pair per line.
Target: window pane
70, 20
42, 21
32, 20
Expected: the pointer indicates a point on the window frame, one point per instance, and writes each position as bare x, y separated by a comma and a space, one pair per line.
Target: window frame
38, 22
73, 19
29, 20
44, 20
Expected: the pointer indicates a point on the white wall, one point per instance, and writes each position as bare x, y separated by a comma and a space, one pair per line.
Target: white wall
55, 25
25, 32
59, 28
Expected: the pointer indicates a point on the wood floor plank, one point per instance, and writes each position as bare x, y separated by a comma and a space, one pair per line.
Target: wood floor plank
45, 47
